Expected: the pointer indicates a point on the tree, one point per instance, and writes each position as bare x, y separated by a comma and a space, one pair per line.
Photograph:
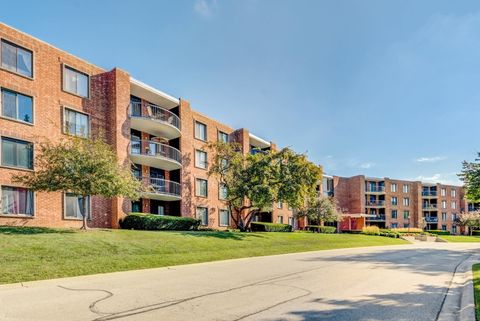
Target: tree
470, 175
82, 166
471, 220
320, 210
254, 182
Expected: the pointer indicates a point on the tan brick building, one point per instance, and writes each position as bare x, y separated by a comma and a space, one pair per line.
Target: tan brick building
47, 93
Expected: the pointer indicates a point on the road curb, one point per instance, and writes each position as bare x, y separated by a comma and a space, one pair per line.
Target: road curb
459, 304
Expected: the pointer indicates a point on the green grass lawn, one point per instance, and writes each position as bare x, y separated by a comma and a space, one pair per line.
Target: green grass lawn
33, 253
476, 285
460, 238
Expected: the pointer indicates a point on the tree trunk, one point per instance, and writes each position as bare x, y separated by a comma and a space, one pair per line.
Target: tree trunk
84, 213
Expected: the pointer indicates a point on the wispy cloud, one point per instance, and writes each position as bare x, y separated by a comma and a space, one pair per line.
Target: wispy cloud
432, 159
366, 165
444, 178
205, 8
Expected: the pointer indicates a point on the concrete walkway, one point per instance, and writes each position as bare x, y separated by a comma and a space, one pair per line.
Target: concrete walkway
405, 282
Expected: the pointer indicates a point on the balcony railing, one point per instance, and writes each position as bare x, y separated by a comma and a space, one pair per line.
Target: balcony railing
431, 219
429, 206
429, 193
379, 217
155, 113
161, 186
151, 148
376, 203
375, 189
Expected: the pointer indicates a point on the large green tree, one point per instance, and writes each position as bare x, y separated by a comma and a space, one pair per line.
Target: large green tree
320, 210
255, 181
82, 166
470, 175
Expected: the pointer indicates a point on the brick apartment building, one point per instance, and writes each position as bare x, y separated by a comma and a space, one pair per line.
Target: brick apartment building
47, 93
391, 203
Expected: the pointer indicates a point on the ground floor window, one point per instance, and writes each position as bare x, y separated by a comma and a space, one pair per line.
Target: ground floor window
406, 225
394, 225
136, 207
74, 206
291, 221
280, 219
454, 230
224, 219
202, 215
444, 227
16, 201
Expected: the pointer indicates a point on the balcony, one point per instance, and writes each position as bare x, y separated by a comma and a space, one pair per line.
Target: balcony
379, 203
431, 219
375, 189
161, 189
430, 207
429, 194
149, 153
154, 120
379, 217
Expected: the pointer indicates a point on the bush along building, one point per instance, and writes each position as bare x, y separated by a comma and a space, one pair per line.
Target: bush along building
394, 203
47, 93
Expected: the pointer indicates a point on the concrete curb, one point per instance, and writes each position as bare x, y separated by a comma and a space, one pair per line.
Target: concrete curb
459, 301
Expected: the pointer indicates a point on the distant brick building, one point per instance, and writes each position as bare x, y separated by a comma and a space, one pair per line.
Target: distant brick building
47, 93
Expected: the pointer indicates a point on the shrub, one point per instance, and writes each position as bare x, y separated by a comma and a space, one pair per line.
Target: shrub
371, 230
141, 221
270, 227
476, 232
439, 232
321, 229
411, 230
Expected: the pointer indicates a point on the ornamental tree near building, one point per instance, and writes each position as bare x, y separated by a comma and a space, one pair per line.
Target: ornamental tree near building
320, 210
82, 166
255, 181
470, 175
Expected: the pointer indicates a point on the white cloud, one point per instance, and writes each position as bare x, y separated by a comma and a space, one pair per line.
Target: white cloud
367, 165
443, 178
432, 159
205, 8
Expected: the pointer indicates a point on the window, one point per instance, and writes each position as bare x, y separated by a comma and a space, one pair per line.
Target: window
291, 221
76, 123
74, 206
224, 219
406, 201
406, 225
136, 207
75, 82
454, 230
394, 201
202, 215
454, 193
394, 225
222, 192
394, 214
443, 192
454, 205
444, 216
17, 59
17, 153
222, 137
280, 219
393, 188
16, 201
279, 205
444, 227
201, 187
444, 204
454, 217
200, 131
406, 188
200, 159
406, 215
17, 106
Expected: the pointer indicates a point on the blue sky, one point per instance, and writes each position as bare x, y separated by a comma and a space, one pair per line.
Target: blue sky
382, 88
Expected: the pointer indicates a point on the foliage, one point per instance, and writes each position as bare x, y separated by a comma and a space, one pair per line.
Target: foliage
470, 175
439, 232
411, 230
470, 220
84, 167
321, 229
270, 227
371, 230
141, 221
254, 182
321, 209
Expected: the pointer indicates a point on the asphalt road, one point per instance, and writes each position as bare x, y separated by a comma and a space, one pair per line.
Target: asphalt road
406, 282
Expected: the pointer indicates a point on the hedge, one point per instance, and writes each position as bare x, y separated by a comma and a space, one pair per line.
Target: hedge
439, 232
141, 221
321, 229
476, 232
270, 227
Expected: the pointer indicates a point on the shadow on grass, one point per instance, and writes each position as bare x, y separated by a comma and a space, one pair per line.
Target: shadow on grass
223, 234
16, 230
